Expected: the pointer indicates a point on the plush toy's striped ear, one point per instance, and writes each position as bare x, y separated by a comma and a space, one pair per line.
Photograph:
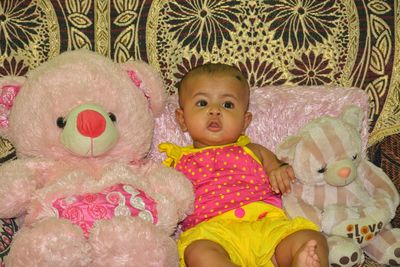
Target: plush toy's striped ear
149, 82
9, 89
353, 115
285, 150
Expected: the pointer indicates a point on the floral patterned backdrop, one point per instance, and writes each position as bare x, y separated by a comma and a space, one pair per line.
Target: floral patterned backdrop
303, 42
292, 42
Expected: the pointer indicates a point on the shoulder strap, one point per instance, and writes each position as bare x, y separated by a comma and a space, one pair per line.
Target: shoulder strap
243, 140
174, 153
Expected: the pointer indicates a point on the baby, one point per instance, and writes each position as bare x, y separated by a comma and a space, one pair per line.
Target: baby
237, 218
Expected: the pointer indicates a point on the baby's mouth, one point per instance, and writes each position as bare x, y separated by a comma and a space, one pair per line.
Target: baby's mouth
214, 126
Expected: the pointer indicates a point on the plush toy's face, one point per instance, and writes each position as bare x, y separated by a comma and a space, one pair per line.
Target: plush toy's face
327, 150
82, 105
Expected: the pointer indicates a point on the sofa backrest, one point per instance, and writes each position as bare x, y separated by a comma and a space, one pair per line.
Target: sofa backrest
278, 111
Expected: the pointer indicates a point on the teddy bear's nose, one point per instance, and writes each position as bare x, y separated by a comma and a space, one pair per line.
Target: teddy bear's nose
344, 172
90, 123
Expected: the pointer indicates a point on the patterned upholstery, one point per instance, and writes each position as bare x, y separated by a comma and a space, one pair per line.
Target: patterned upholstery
8, 228
274, 42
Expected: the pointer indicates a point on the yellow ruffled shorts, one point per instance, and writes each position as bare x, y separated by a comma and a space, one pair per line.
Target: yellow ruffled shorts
250, 241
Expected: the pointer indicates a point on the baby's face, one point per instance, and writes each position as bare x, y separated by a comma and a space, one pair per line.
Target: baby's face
213, 109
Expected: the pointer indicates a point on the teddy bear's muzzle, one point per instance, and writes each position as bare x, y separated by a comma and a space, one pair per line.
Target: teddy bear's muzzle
341, 173
89, 131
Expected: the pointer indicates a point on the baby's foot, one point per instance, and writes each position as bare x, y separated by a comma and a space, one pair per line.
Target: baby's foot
306, 256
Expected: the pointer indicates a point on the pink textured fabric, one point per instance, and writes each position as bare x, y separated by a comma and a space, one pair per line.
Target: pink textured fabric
118, 200
278, 111
136, 81
7, 95
224, 178
134, 78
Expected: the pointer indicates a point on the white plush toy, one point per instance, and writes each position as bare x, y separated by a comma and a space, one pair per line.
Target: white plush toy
351, 199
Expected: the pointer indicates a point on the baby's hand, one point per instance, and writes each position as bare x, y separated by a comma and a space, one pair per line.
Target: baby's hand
281, 178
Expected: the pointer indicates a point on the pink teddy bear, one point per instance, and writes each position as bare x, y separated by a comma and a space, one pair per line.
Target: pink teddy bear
82, 186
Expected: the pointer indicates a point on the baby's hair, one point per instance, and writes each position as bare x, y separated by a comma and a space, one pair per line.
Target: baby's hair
215, 68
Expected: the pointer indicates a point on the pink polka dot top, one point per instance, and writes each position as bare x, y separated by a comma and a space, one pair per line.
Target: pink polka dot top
224, 178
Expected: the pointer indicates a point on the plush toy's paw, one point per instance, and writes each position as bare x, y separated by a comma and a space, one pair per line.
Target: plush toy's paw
394, 256
344, 252
385, 248
51, 242
127, 241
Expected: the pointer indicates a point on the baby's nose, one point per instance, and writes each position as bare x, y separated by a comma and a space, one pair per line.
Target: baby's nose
214, 111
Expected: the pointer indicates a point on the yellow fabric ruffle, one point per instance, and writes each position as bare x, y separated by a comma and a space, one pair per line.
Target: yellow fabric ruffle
175, 152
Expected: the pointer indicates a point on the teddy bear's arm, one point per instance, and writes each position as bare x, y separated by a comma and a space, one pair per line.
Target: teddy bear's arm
18, 182
175, 185
295, 206
379, 187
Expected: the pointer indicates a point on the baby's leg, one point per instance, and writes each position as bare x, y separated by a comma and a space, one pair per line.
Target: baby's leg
208, 254
305, 248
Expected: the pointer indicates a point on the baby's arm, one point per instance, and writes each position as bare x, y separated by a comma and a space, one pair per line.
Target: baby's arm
280, 174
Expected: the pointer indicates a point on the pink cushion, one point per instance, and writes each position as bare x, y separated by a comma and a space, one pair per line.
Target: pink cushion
277, 112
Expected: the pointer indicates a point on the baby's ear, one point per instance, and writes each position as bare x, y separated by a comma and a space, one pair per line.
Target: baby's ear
285, 150
9, 89
180, 119
148, 80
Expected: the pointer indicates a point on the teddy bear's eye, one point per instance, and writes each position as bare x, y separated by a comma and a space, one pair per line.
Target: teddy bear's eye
61, 122
322, 169
354, 156
112, 116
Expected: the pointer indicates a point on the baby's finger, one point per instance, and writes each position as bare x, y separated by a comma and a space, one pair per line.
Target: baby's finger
281, 185
274, 184
280, 180
290, 173
286, 180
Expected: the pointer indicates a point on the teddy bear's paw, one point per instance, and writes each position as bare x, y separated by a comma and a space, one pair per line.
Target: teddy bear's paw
346, 261
51, 242
385, 247
344, 252
390, 257
395, 259
127, 241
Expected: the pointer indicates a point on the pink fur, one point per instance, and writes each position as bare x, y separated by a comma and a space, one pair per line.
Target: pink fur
47, 170
277, 112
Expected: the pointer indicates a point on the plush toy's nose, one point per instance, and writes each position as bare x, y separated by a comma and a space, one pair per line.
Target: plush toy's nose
90, 123
344, 172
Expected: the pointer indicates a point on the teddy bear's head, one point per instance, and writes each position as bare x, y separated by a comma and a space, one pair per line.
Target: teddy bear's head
326, 150
82, 105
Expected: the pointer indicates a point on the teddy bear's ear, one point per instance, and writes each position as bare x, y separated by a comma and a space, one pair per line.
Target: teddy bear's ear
9, 89
285, 150
149, 82
353, 115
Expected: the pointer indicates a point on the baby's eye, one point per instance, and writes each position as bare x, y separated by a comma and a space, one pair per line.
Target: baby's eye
201, 103
228, 105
